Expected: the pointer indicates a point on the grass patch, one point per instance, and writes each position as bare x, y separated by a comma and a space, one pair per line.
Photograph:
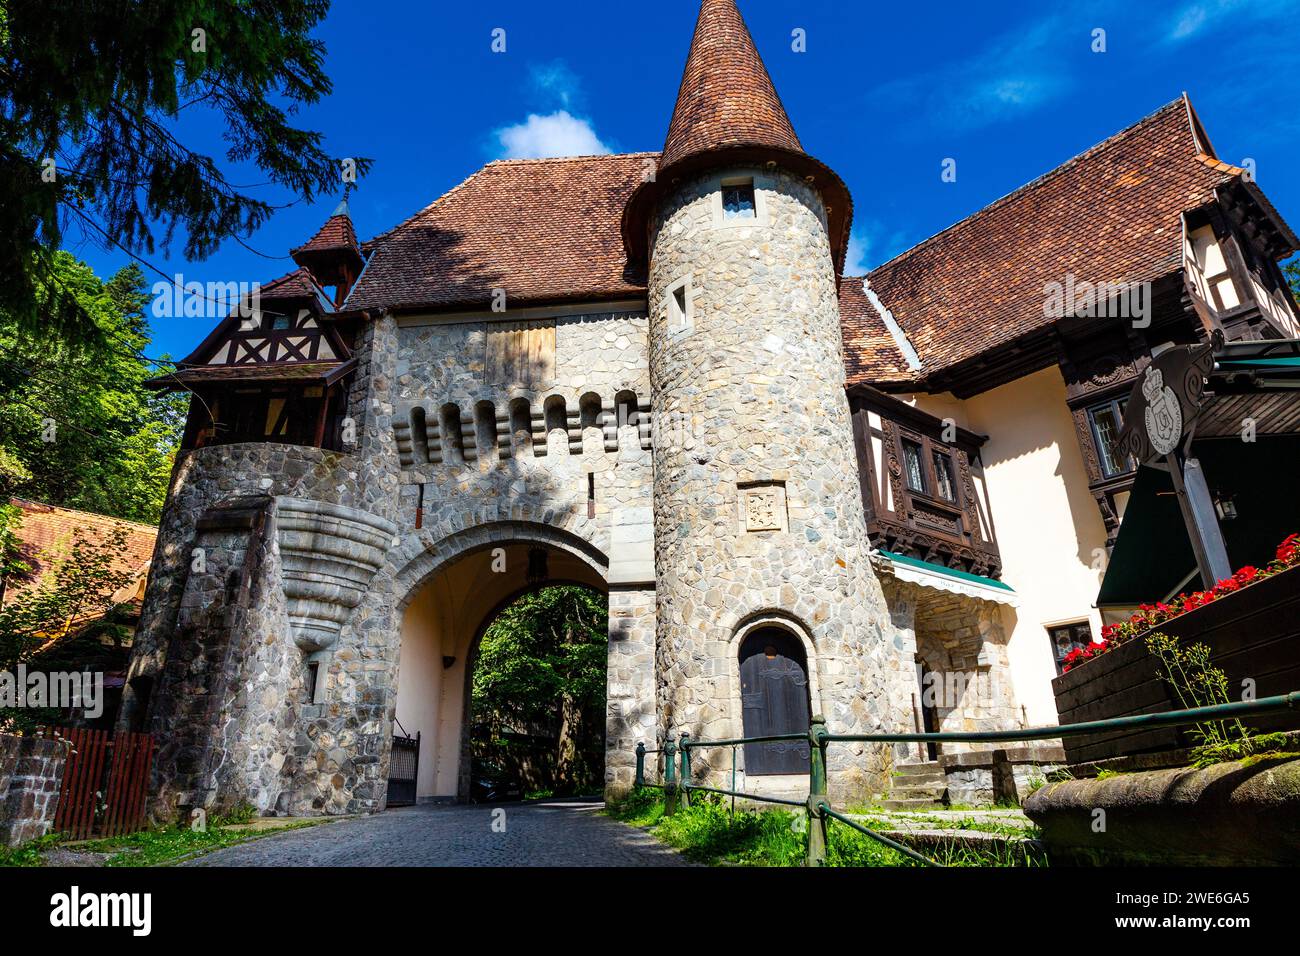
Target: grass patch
707, 832
155, 847
29, 853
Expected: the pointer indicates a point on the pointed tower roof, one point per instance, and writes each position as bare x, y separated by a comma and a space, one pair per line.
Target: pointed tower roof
726, 97
728, 113
336, 235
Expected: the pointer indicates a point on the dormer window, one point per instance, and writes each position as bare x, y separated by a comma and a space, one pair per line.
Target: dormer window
280, 322
738, 200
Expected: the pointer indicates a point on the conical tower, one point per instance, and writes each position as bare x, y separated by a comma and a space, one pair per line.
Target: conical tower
333, 255
760, 540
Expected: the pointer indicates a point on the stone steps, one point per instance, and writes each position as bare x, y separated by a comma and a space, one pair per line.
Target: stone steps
916, 786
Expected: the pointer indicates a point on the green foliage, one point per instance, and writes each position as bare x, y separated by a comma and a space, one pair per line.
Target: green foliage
75, 586
708, 832
169, 845
541, 672
160, 846
77, 426
1292, 272
29, 853
1251, 749
1198, 683
107, 90
238, 814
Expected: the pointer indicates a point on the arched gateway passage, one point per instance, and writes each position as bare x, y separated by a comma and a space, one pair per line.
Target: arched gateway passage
441, 626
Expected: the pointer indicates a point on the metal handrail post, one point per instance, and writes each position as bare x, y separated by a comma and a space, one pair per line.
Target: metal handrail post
670, 777
686, 770
817, 792
640, 763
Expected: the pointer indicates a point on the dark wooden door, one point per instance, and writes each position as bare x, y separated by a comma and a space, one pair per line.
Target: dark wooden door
774, 697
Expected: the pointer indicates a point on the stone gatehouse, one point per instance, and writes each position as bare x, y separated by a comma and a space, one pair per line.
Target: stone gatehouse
626, 372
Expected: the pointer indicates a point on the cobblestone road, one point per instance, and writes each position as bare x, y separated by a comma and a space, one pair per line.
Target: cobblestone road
550, 833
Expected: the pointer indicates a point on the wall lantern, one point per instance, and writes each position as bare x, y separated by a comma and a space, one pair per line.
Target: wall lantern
538, 572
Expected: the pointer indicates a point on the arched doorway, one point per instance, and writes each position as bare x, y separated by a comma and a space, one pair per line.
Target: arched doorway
537, 701
774, 700
441, 627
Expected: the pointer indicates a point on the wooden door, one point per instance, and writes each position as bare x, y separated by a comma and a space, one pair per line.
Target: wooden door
774, 697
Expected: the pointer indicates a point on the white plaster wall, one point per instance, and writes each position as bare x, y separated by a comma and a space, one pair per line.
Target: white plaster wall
420, 686
1046, 520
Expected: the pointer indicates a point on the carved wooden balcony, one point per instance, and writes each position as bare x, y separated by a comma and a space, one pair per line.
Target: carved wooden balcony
922, 485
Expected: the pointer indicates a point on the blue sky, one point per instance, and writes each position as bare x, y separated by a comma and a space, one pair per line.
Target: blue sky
884, 94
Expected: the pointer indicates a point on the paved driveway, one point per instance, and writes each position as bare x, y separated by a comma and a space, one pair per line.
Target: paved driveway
549, 833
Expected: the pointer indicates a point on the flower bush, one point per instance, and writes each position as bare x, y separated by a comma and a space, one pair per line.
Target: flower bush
1149, 616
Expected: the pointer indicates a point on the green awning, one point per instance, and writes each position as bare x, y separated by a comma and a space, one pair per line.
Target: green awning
1153, 557
937, 576
1284, 361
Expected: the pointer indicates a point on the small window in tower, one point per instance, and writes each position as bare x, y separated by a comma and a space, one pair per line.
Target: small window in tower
678, 308
280, 322
738, 200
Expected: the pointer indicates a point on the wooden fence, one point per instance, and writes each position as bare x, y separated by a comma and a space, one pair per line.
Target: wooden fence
105, 782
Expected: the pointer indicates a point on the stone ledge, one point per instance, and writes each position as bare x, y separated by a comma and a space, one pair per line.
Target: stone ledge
1020, 755
1244, 813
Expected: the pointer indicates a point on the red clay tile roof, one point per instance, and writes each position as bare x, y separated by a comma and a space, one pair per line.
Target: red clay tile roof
47, 532
726, 96
1112, 213
542, 229
871, 353
337, 233
294, 285
728, 113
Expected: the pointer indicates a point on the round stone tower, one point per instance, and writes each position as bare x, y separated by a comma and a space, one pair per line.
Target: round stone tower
758, 515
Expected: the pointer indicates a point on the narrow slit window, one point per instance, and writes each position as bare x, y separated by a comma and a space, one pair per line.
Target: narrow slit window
738, 201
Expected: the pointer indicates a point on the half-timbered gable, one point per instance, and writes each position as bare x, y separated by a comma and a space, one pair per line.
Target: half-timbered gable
275, 368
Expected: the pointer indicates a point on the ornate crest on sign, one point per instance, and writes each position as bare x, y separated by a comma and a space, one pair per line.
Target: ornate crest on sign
1166, 401
1163, 416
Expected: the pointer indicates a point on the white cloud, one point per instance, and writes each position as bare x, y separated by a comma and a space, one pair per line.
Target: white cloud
555, 134
870, 244
556, 82
1192, 19
855, 258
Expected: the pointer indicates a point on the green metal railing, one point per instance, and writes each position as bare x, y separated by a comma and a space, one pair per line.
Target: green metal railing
677, 785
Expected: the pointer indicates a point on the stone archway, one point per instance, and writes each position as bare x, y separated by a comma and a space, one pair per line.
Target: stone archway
449, 601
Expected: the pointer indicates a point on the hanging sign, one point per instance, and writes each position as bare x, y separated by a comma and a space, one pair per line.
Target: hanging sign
1165, 402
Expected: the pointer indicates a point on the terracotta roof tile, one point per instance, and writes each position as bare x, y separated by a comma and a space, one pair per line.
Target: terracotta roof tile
543, 230
337, 233
871, 353
726, 96
293, 285
47, 532
1110, 214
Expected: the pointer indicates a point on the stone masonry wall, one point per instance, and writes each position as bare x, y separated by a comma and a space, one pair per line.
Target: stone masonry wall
218, 643
757, 502
31, 772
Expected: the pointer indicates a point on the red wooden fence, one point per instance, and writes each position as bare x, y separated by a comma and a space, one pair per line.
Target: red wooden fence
105, 782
